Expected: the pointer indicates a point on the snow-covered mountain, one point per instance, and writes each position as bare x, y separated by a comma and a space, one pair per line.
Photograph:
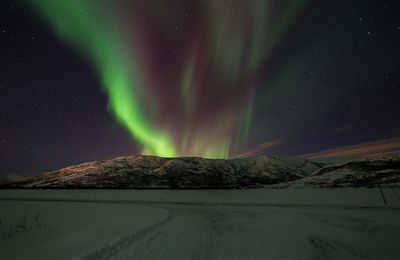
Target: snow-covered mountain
200, 173
190, 172
370, 171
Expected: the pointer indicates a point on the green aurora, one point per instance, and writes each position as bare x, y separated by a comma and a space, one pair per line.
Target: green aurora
188, 109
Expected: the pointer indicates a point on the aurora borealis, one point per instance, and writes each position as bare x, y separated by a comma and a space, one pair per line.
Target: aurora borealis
94, 79
196, 101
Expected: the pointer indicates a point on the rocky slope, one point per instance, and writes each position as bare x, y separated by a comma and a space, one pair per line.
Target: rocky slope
199, 173
156, 172
382, 170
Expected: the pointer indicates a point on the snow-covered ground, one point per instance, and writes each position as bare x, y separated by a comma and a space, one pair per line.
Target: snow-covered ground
200, 224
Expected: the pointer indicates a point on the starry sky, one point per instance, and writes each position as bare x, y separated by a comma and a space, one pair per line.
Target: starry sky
91, 80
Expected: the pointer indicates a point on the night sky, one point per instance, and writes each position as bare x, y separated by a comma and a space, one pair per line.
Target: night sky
91, 80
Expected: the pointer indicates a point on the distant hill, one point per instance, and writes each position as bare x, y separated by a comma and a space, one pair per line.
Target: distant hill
364, 172
10, 178
185, 172
199, 173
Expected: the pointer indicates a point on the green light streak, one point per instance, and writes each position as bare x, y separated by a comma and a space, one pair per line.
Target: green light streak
83, 25
240, 38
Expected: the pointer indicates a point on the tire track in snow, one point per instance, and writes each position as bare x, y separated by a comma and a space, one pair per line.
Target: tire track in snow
109, 251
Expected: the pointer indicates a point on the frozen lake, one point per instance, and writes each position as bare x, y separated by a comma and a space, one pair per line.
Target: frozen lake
200, 224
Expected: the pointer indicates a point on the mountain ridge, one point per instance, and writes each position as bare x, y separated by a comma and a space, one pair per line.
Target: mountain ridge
139, 171
147, 172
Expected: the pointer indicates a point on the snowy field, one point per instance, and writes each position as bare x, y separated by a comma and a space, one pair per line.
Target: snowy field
200, 224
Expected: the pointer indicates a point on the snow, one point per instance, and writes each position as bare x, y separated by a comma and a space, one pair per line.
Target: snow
72, 229
202, 224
